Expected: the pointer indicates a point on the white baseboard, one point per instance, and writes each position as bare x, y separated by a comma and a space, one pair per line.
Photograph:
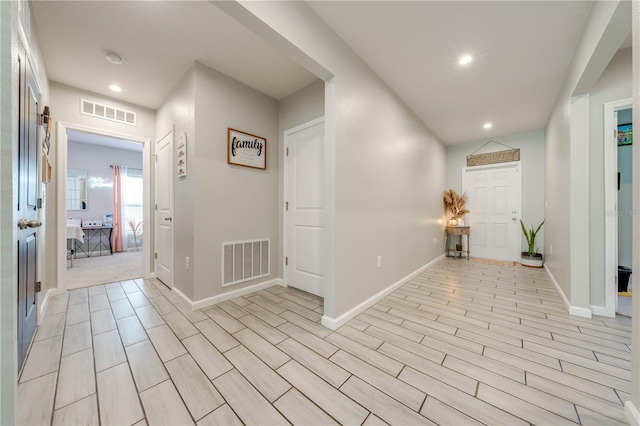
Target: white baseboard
573, 310
334, 323
43, 305
632, 414
210, 301
598, 310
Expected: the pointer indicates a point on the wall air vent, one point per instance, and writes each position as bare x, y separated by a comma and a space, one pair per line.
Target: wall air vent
244, 260
106, 112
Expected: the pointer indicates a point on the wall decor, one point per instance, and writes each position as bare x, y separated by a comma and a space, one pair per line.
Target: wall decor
512, 154
181, 155
625, 134
245, 149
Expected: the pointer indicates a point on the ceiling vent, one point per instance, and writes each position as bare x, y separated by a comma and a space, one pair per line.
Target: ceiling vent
106, 112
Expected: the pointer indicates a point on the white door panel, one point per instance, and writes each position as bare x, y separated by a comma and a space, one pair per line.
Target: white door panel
164, 209
494, 204
305, 214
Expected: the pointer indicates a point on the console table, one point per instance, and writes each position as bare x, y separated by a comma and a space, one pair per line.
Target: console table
459, 231
97, 239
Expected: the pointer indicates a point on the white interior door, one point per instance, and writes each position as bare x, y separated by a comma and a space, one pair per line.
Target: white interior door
305, 227
494, 205
164, 209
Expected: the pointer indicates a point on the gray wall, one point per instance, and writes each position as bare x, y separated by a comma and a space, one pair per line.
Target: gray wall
299, 108
531, 147
231, 203
178, 110
96, 160
567, 200
614, 84
625, 196
390, 170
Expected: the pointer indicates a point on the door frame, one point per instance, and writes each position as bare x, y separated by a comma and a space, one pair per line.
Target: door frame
61, 175
285, 161
611, 206
513, 164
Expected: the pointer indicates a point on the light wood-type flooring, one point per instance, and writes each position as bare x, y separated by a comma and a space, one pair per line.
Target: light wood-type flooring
462, 343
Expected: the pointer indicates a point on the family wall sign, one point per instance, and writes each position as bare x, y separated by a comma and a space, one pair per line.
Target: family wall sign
245, 149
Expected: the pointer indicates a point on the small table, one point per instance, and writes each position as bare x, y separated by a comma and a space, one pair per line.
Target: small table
97, 238
459, 231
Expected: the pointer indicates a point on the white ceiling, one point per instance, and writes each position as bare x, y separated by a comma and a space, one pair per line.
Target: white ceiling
521, 53
159, 40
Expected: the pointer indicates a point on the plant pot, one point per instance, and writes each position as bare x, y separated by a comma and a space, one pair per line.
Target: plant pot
531, 260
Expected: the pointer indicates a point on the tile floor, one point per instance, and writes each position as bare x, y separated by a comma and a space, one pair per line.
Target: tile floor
463, 343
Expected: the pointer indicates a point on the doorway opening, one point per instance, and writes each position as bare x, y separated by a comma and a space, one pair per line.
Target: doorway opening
619, 207
103, 193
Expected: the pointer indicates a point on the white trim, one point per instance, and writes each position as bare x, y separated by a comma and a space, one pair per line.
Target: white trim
334, 323
611, 205
285, 160
632, 414
598, 310
518, 166
210, 301
61, 135
573, 310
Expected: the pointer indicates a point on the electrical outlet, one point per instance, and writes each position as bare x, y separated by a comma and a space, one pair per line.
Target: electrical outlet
379, 261
435, 241
186, 263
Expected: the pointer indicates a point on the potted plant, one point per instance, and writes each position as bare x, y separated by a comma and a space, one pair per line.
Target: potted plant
456, 204
531, 257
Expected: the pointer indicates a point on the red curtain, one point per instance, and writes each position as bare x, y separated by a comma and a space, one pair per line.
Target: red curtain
118, 225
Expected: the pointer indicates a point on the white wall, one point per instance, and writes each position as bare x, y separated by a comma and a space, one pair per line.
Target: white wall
96, 160
625, 196
390, 170
567, 155
231, 203
614, 84
299, 108
178, 110
531, 147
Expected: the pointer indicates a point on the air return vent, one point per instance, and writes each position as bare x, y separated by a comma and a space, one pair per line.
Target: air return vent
106, 112
244, 260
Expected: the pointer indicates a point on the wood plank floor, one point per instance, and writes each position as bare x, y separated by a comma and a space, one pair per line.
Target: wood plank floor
463, 343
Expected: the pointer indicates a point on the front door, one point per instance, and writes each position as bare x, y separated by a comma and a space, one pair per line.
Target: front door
27, 207
305, 208
494, 203
164, 209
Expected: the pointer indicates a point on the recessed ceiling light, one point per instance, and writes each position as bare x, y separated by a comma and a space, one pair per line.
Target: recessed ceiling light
487, 125
114, 58
115, 88
465, 59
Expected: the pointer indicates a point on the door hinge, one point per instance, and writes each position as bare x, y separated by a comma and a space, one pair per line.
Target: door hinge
287, 152
39, 203
155, 256
38, 286
155, 158
156, 207
286, 206
286, 261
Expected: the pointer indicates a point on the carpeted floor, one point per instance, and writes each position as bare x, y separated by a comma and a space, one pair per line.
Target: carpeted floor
90, 271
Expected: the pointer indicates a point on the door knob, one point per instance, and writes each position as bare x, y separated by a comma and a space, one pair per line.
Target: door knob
168, 218
24, 224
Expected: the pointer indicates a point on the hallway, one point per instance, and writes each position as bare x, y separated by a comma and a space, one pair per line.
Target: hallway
463, 343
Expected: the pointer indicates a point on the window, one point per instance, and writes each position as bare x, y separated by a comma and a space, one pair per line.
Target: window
132, 208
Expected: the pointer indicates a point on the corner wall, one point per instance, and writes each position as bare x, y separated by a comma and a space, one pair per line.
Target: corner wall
390, 170
567, 153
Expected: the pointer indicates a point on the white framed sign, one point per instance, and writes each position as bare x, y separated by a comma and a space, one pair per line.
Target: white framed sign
245, 149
